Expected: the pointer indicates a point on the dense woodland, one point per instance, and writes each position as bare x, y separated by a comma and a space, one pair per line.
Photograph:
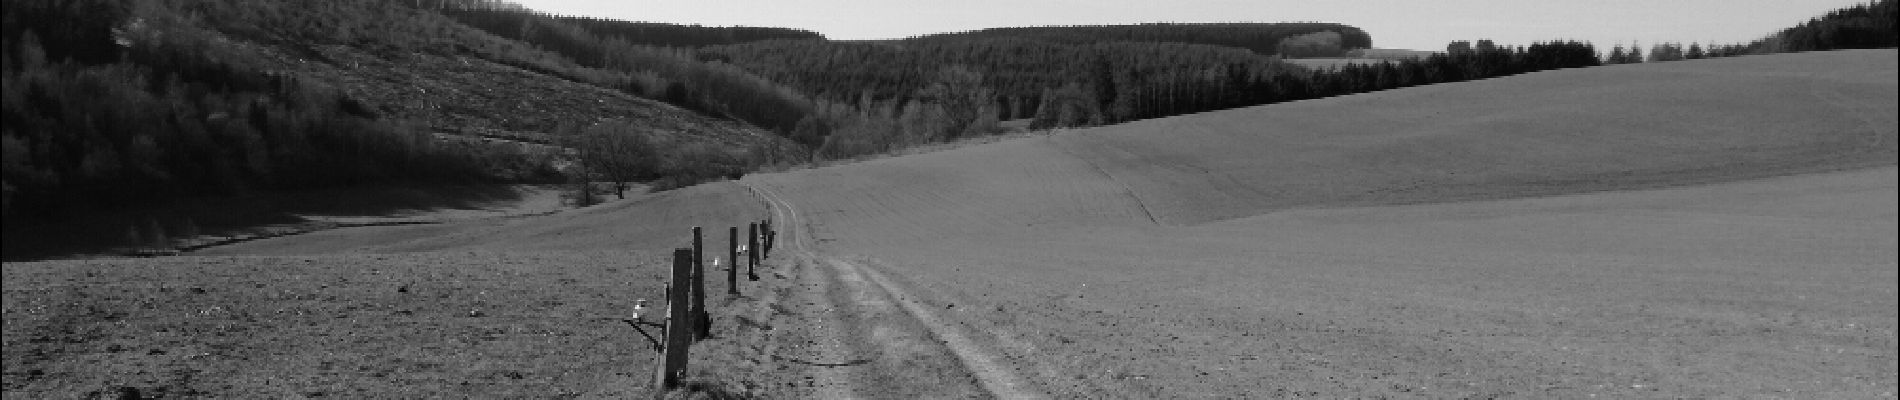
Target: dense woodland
104, 99
1866, 26
656, 34
107, 103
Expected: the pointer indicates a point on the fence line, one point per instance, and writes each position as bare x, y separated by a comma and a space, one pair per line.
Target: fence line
686, 318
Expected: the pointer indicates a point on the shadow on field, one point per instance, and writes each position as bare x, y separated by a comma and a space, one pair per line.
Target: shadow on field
159, 227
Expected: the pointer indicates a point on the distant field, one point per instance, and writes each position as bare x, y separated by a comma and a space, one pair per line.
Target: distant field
1389, 54
1716, 228
1361, 57
1543, 133
1327, 63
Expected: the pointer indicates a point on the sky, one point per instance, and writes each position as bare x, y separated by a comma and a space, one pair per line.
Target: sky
1400, 24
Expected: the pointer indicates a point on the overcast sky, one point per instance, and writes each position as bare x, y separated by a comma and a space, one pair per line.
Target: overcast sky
1405, 24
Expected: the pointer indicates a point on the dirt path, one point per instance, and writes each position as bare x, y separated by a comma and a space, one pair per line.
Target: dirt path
914, 338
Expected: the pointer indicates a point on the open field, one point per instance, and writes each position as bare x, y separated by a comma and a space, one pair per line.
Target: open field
1718, 228
1553, 132
1779, 288
485, 307
1330, 63
1361, 57
1389, 54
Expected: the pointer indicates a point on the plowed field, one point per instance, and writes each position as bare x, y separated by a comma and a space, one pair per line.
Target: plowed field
1720, 228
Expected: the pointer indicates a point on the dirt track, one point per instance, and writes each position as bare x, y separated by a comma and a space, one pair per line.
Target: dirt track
873, 295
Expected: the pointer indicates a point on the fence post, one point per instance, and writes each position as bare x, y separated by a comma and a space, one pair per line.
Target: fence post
752, 251
770, 237
678, 336
732, 260
702, 322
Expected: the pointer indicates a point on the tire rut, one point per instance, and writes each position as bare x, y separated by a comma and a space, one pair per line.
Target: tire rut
827, 351
917, 353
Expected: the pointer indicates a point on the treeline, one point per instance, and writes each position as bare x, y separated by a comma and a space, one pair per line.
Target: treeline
658, 34
1661, 52
1130, 97
1071, 85
1017, 70
110, 102
1108, 83
1262, 38
1865, 26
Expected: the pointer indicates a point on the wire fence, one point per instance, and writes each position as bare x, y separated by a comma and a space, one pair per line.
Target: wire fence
684, 319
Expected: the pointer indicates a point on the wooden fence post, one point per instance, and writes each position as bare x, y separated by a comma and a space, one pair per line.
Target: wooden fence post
702, 322
770, 237
678, 334
732, 260
752, 250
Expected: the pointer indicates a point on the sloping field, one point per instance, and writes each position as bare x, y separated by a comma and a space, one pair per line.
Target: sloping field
1718, 228
1553, 132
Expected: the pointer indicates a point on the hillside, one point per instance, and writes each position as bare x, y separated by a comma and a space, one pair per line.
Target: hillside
1546, 133
470, 95
1713, 228
1538, 134
122, 114
873, 97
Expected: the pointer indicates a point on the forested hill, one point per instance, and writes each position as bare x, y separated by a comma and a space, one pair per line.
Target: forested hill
1864, 26
118, 103
1263, 38
874, 96
1020, 63
1017, 71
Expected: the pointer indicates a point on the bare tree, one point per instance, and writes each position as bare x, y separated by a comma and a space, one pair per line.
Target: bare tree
613, 151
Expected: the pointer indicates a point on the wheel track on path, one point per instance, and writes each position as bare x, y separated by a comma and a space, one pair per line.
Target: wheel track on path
990, 371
